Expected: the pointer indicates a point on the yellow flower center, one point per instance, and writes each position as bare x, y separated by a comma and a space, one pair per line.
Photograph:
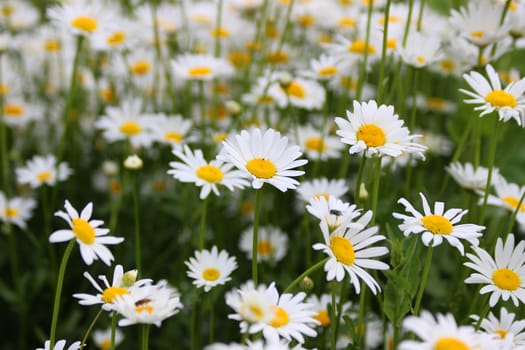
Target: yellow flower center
449, 343
199, 72
437, 224
296, 90
105, 344
391, 19
4, 89
420, 59
107, 95
315, 144
220, 137
346, 22
210, 173
372, 135
13, 110
265, 248
265, 99
220, 32
261, 168
247, 208
130, 128
323, 317
142, 308
44, 176
85, 24
116, 38
11, 212
391, 43
254, 313
501, 333
84, 231
500, 98
322, 195
360, 47
110, 294
506, 279
277, 57
343, 250
140, 67
211, 274
7, 10
436, 103
478, 34
327, 71
239, 58
280, 317
513, 202
448, 65
52, 45
306, 20
173, 136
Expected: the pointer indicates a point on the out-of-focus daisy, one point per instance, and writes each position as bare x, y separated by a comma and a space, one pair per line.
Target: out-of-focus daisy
266, 157
376, 131
434, 226
121, 34
19, 113
420, 50
88, 234
298, 92
349, 252
322, 187
316, 144
201, 67
172, 129
194, 168
506, 329
434, 104
210, 268
60, 345
251, 304
469, 177
16, 210
373, 335
331, 211
102, 338
272, 244
324, 68
43, 170
504, 275
488, 94
321, 307
436, 144
352, 51
150, 304
441, 332
507, 196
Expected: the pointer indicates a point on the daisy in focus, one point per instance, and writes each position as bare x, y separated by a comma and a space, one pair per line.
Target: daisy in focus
17, 210
376, 131
434, 226
87, 232
506, 329
509, 103
43, 170
349, 252
504, 275
266, 157
272, 243
469, 177
210, 268
331, 212
194, 168
60, 345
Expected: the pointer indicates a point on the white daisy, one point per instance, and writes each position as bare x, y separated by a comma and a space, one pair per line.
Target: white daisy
321, 307
298, 92
324, 68
316, 144
60, 345
420, 50
507, 196
348, 251
376, 131
171, 129
488, 94
42, 170
18, 112
506, 329
272, 244
266, 157
90, 237
331, 211
322, 187
102, 338
438, 225
200, 67
194, 168
210, 268
504, 275
469, 177
251, 304
16, 210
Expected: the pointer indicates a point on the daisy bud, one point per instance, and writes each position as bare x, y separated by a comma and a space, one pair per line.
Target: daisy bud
306, 284
110, 168
285, 79
363, 193
233, 107
133, 162
129, 278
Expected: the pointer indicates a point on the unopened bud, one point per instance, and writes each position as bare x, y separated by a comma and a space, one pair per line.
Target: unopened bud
363, 193
285, 79
129, 278
233, 107
133, 162
306, 284
110, 168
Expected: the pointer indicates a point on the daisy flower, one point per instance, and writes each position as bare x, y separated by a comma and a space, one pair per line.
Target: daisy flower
194, 168
326, 67
251, 305
102, 338
210, 268
82, 17
42, 170
376, 131
266, 157
507, 196
200, 67
469, 177
348, 251
316, 144
504, 275
88, 234
420, 50
506, 329
272, 244
331, 211
298, 92
320, 305
18, 113
509, 103
438, 225
17, 210
60, 345
172, 130
322, 187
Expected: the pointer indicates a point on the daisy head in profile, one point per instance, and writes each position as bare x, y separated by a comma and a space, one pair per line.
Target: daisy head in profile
438, 224
16, 210
210, 268
91, 238
490, 97
265, 157
506, 329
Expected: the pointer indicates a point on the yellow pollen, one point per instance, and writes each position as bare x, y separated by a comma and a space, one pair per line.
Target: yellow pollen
256, 311
110, 294
13, 110
210, 173
436, 103
142, 308
11, 213
4, 89
8, 10
220, 32
52, 45
261, 168
478, 34
315, 144
85, 24
449, 343
116, 38
199, 72
130, 128
277, 57
265, 248
140, 67
501, 333
346, 22
360, 46
306, 20
173, 136
448, 65
211, 274
437, 224
201, 18
280, 318
513, 202
265, 99
372, 135
420, 59
391, 43
220, 137
391, 19
322, 195
296, 90
323, 317
271, 31
44, 176
107, 95
506, 279
500, 98
115, 187
239, 58
247, 208
512, 6
327, 71
105, 344
84, 231
343, 250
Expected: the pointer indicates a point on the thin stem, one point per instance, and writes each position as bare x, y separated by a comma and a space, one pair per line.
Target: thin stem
305, 274
90, 328
492, 157
407, 23
361, 324
383, 53
58, 292
145, 336
218, 25
202, 105
333, 316
362, 75
414, 102
512, 219
420, 16
203, 223
375, 190
193, 325
255, 242
138, 258
424, 278
3, 140
482, 315
211, 317
113, 329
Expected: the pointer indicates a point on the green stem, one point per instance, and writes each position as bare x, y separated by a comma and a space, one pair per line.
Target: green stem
212, 317
255, 242
202, 110
362, 75
145, 336
203, 223
383, 53
305, 274
414, 99
113, 329
90, 328
512, 219
58, 292
408, 22
492, 157
420, 16
193, 325
3, 140
375, 190
333, 316
136, 213
217, 47
482, 315
361, 324
424, 278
